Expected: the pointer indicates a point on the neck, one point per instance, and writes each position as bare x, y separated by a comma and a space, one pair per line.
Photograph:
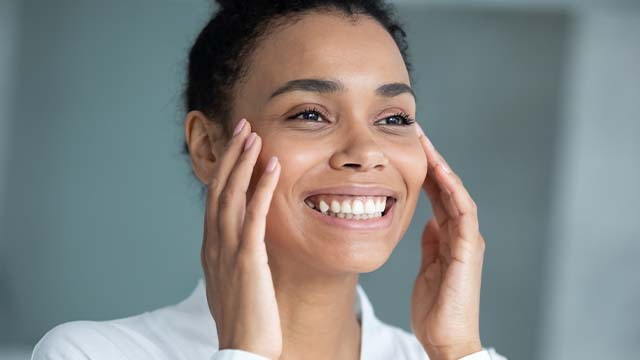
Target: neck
317, 313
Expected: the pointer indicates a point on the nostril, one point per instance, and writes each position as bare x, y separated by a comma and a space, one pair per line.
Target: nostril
352, 165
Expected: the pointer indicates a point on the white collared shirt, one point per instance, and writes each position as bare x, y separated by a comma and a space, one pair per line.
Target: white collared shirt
187, 330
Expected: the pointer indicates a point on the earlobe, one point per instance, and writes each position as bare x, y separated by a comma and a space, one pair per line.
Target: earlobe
204, 141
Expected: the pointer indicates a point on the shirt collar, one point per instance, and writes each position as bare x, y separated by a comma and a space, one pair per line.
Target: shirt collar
373, 336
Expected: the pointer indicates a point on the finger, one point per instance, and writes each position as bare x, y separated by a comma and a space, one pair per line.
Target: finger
459, 195
434, 158
258, 207
434, 192
465, 227
233, 198
215, 186
223, 167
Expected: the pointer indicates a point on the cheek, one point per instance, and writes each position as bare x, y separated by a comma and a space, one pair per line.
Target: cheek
411, 161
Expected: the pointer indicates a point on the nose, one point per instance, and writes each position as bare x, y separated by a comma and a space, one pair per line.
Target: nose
360, 152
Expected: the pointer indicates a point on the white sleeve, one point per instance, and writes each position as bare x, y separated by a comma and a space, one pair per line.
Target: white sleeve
75, 340
486, 354
233, 354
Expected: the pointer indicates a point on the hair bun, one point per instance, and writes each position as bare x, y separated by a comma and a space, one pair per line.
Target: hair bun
227, 3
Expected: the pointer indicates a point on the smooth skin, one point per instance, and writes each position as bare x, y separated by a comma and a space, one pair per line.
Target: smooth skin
270, 268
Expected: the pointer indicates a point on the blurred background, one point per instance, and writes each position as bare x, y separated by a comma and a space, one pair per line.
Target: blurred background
534, 103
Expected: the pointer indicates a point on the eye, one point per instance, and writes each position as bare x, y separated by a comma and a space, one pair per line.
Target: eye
311, 115
399, 119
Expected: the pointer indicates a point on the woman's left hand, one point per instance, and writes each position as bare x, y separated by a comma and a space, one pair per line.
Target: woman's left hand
446, 294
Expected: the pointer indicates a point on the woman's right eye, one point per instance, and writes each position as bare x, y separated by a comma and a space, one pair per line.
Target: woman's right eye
312, 115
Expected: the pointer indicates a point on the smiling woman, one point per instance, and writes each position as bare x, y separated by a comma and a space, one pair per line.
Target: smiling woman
300, 125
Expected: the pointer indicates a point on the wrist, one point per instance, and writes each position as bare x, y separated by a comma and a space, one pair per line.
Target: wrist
454, 352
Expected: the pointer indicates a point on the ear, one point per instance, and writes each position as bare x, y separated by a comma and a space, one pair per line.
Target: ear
205, 140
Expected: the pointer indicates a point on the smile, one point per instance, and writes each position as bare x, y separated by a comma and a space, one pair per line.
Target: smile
353, 207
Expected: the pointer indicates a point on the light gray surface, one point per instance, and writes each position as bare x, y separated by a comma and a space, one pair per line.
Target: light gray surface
103, 217
8, 38
593, 287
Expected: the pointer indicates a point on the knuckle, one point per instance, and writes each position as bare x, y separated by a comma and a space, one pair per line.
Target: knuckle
227, 197
482, 244
473, 205
252, 214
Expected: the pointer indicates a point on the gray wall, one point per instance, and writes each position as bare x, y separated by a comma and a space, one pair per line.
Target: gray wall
593, 287
9, 15
103, 219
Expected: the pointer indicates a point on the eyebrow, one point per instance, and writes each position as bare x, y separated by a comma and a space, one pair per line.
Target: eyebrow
324, 86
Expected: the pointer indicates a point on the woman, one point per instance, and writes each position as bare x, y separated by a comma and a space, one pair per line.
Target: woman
300, 121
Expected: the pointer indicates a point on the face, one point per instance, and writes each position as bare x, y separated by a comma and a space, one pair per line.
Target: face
343, 141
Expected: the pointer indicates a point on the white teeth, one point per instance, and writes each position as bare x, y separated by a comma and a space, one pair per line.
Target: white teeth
358, 207
370, 206
335, 206
310, 203
346, 207
323, 206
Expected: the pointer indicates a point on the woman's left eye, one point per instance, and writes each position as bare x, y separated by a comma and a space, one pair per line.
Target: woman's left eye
399, 119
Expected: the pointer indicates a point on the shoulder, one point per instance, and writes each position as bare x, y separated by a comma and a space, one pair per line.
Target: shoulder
151, 335
78, 340
184, 330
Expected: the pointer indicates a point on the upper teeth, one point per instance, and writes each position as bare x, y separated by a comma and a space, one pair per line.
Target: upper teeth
355, 205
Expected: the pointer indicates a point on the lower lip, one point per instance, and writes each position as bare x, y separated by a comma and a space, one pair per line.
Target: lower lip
377, 223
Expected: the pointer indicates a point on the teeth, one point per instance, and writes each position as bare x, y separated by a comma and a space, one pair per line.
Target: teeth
335, 206
370, 207
323, 206
358, 207
346, 207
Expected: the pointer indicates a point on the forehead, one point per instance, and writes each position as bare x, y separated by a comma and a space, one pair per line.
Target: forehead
326, 45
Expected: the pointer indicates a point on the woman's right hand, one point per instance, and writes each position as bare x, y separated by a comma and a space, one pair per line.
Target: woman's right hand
240, 290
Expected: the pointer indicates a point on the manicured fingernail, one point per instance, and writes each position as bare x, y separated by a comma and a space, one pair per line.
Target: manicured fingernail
429, 143
445, 168
250, 140
239, 127
271, 165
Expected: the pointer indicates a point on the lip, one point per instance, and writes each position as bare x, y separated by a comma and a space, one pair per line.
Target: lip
354, 190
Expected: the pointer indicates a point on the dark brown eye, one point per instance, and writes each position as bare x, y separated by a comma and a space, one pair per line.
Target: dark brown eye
399, 119
312, 115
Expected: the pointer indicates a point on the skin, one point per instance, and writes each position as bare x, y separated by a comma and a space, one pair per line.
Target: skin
270, 268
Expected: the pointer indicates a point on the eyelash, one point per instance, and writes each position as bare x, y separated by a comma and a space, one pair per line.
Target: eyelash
404, 116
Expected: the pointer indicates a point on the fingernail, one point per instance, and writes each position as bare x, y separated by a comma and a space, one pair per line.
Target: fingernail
445, 168
250, 140
239, 127
271, 165
429, 143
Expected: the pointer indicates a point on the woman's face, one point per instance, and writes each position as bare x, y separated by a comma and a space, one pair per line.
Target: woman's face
351, 147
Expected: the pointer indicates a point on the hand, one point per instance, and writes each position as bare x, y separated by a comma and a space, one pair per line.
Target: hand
446, 294
240, 290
